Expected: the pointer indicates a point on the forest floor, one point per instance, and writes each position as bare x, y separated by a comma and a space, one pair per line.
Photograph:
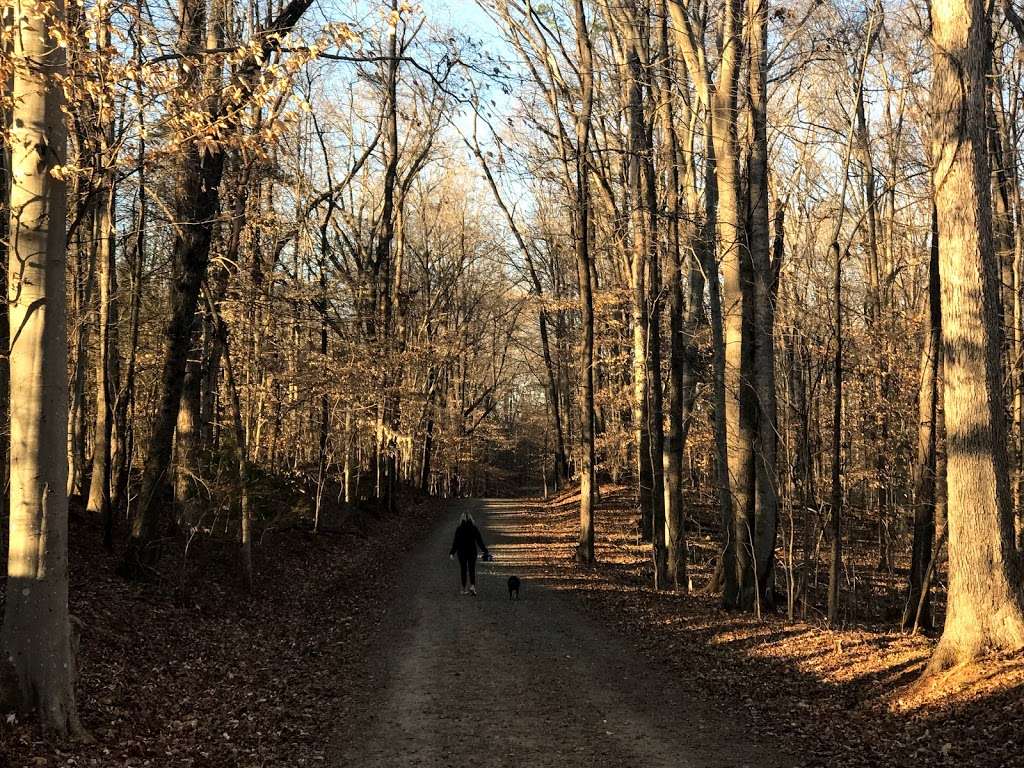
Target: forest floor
357, 649
833, 697
192, 672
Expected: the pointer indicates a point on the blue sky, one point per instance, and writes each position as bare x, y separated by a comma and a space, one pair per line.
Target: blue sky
463, 15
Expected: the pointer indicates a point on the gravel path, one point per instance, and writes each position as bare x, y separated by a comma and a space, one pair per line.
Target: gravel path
488, 682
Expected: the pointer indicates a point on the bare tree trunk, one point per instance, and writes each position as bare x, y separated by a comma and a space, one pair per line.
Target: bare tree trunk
187, 426
196, 206
77, 411
918, 607
672, 455
636, 167
107, 364
719, 135
765, 284
36, 639
836, 516
985, 604
739, 431
588, 478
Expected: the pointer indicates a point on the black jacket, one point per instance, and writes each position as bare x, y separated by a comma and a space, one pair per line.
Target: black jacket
467, 538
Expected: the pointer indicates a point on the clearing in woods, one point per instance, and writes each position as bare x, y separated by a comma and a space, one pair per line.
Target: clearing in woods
486, 681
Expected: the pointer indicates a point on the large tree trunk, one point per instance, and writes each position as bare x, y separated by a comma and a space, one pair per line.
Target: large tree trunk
703, 258
736, 311
984, 609
36, 639
639, 172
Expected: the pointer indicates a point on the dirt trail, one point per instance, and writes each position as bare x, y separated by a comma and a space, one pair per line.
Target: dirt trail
534, 683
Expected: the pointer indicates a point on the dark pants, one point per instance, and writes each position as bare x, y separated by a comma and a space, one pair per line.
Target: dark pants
468, 565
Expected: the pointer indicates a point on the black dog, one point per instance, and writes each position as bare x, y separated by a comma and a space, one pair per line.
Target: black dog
513, 587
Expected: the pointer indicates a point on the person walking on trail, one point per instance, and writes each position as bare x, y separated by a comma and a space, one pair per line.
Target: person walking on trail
467, 539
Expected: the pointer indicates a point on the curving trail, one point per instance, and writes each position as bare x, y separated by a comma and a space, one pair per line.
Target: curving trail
488, 682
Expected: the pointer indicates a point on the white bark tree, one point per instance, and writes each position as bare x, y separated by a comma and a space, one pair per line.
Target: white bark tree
36, 637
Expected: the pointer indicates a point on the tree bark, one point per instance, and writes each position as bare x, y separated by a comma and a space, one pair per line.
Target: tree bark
36, 638
735, 310
187, 426
984, 610
763, 295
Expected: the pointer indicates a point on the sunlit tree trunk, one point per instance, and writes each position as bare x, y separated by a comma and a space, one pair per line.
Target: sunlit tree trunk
984, 609
719, 133
763, 295
36, 639
735, 312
